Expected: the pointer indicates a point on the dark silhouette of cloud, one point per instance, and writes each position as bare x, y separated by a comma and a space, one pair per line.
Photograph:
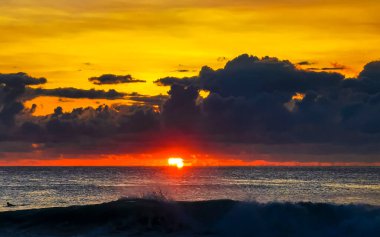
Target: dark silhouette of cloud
180, 110
169, 81
94, 124
79, 93
255, 105
12, 87
113, 79
149, 100
305, 63
333, 67
20, 80
326, 68
371, 71
248, 75
248, 97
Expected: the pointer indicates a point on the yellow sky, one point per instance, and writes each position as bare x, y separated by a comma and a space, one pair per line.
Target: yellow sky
68, 41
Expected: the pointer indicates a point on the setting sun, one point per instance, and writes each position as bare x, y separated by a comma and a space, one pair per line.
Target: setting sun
174, 161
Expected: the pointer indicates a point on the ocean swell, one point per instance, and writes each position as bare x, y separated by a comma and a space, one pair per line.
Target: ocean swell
144, 217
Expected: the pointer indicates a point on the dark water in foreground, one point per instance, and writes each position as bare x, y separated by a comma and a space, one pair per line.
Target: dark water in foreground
224, 218
36, 187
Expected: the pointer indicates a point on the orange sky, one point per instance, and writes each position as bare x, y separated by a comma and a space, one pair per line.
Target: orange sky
69, 41
162, 161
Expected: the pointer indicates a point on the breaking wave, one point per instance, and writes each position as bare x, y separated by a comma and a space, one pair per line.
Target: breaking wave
145, 217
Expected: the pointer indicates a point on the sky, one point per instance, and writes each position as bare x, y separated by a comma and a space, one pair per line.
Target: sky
243, 82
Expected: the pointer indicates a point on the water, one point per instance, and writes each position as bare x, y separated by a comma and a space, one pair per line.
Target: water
35, 187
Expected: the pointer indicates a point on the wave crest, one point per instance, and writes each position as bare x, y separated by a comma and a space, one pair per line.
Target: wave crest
211, 218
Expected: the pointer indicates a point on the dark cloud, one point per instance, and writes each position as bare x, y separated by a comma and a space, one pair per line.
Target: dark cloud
248, 75
371, 71
326, 68
182, 70
248, 98
255, 106
92, 124
12, 88
333, 67
180, 111
149, 100
368, 81
75, 93
20, 79
169, 81
113, 79
305, 63
79, 93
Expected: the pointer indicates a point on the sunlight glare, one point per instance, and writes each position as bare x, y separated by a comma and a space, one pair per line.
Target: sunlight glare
175, 161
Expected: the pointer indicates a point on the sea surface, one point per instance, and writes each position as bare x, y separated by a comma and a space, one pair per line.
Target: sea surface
37, 187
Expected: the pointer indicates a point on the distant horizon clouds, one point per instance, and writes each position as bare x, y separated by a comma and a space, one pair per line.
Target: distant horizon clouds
256, 109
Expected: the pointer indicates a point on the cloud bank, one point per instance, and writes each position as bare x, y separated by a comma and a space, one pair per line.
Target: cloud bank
254, 106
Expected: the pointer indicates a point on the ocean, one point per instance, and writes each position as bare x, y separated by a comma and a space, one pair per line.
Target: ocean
40, 187
192, 201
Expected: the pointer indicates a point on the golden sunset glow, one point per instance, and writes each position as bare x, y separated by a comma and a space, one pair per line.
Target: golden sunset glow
192, 43
175, 161
69, 42
139, 106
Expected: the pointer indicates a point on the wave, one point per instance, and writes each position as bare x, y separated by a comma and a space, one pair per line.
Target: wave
144, 217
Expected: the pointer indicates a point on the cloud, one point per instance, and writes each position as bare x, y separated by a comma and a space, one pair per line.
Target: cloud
326, 68
305, 63
79, 93
169, 81
149, 100
12, 87
248, 97
333, 67
87, 126
113, 79
20, 79
261, 106
371, 71
180, 111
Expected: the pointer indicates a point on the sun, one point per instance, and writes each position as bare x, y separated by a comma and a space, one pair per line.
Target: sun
175, 161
